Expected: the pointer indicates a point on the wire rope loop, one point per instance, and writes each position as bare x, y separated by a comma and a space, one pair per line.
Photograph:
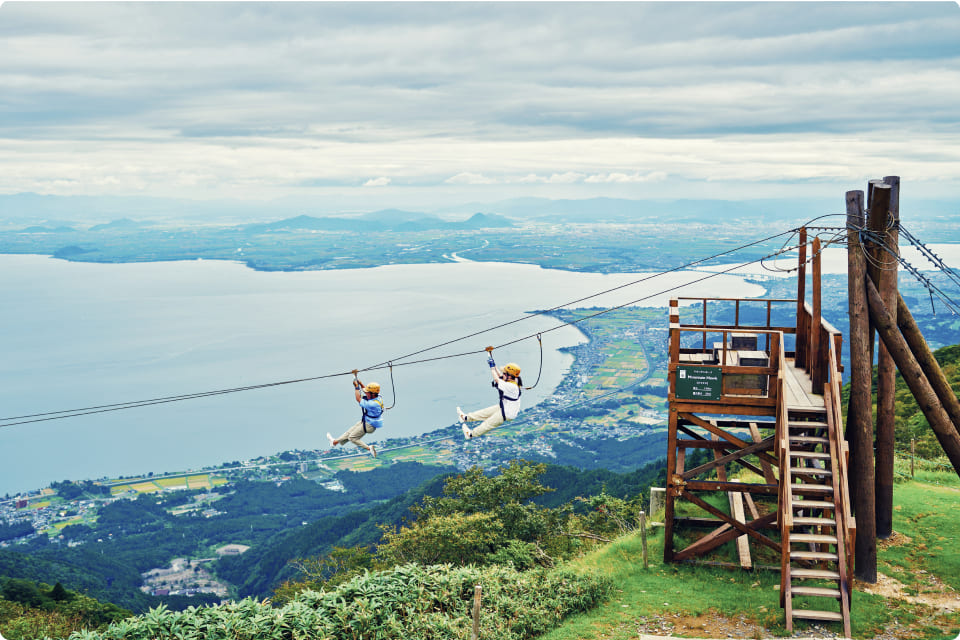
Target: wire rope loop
539, 371
393, 388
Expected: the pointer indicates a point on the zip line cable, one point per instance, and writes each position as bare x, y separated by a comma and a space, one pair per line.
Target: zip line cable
932, 289
70, 413
595, 295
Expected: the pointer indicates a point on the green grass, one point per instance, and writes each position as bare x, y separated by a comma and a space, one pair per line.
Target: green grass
700, 601
927, 515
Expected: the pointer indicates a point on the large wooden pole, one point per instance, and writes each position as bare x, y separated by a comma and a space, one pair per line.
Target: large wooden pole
860, 409
884, 222
800, 351
815, 361
926, 398
929, 365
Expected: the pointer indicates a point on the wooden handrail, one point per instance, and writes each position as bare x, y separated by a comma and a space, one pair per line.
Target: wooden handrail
735, 299
846, 525
784, 510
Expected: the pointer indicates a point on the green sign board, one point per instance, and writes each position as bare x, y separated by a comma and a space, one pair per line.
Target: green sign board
698, 382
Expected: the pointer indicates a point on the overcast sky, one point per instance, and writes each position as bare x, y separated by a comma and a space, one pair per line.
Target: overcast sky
411, 104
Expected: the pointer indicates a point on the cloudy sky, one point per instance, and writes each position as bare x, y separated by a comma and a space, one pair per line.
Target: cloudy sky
418, 104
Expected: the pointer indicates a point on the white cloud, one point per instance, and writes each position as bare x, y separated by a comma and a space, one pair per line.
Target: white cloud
469, 178
272, 99
568, 177
654, 176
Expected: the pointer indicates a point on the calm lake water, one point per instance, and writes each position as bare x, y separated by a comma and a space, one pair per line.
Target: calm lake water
80, 335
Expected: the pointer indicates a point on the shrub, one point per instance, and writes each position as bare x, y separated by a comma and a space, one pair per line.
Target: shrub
408, 601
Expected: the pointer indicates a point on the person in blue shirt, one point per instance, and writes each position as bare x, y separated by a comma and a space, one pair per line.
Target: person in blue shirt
368, 397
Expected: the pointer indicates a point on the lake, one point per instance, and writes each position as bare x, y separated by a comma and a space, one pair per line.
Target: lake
81, 335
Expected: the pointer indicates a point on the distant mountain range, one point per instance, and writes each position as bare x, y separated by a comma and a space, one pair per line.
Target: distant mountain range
385, 220
46, 213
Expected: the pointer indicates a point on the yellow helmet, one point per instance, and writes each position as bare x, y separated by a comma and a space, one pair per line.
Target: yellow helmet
372, 387
512, 369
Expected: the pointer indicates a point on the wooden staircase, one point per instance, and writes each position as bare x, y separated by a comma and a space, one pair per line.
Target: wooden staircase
815, 542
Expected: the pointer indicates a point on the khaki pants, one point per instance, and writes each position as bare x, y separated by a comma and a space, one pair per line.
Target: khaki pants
491, 416
354, 435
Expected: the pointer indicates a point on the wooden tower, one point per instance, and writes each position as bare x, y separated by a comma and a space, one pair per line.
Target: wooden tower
772, 414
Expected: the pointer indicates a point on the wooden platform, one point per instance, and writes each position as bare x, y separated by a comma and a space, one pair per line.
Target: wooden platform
800, 393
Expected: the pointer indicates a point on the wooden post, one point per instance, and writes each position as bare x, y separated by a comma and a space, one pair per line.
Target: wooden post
643, 538
929, 365
670, 494
671, 489
912, 374
800, 356
860, 409
884, 221
913, 453
476, 613
815, 361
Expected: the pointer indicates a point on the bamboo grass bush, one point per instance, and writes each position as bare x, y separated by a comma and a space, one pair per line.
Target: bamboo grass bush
408, 601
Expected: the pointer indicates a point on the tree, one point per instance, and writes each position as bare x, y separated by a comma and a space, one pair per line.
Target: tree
59, 594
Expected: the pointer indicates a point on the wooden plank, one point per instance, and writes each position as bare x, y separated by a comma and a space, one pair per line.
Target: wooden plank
743, 544
764, 407
698, 441
729, 437
719, 461
766, 466
722, 535
752, 506
748, 529
715, 485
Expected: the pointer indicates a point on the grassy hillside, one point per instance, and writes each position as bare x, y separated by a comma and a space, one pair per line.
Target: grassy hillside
704, 602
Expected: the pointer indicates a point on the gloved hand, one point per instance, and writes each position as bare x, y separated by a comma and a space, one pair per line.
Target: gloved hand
356, 384
491, 362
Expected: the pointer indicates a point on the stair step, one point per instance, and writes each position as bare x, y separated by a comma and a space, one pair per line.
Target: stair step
814, 591
799, 424
810, 471
813, 614
808, 440
813, 555
815, 522
811, 488
812, 504
813, 537
816, 455
814, 574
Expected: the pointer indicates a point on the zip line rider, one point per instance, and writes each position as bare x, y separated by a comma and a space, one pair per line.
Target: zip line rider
507, 384
372, 407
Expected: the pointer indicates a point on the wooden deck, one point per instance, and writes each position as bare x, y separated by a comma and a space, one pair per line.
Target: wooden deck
799, 390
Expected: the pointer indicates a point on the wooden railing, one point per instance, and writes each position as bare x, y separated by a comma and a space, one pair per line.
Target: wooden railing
785, 510
846, 524
757, 393
737, 324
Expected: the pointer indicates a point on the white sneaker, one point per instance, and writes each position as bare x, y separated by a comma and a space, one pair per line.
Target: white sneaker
466, 432
461, 415
333, 442
373, 451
